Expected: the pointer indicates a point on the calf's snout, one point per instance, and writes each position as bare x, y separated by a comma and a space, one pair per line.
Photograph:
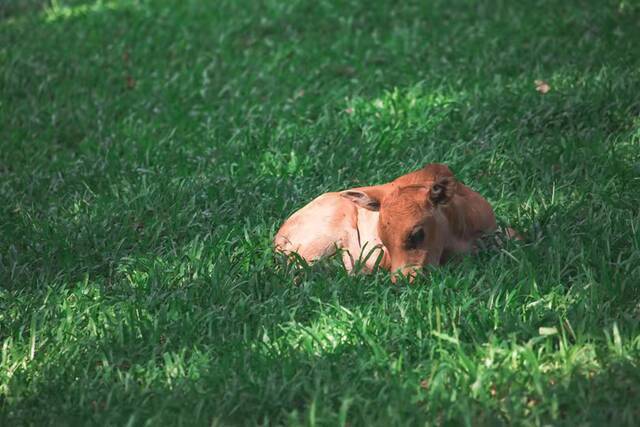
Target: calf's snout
408, 271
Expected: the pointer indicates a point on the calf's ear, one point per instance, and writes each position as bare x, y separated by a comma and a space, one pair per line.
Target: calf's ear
442, 190
366, 197
437, 170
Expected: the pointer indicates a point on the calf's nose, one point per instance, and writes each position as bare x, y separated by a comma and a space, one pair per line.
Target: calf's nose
408, 271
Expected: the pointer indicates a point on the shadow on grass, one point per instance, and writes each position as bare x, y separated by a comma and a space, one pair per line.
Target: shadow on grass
141, 167
262, 379
16, 8
95, 199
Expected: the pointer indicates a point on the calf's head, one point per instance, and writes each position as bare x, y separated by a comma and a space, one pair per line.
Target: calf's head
411, 223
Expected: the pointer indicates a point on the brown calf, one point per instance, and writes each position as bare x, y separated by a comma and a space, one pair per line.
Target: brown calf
418, 219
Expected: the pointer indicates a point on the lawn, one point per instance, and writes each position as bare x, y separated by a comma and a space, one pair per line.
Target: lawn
149, 150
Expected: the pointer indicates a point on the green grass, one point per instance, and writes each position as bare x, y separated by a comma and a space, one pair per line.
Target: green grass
150, 149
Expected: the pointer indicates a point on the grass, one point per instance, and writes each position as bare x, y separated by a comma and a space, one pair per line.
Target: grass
150, 149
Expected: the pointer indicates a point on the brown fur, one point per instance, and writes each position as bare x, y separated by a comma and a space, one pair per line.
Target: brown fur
418, 219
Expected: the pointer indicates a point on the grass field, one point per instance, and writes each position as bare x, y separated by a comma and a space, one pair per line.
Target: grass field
150, 149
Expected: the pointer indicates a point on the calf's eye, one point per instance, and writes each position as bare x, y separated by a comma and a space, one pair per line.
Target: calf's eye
415, 238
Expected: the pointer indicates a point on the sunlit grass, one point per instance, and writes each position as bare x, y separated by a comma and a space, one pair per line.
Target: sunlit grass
57, 10
149, 150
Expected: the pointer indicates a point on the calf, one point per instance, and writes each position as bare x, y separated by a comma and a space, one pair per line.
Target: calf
418, 219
